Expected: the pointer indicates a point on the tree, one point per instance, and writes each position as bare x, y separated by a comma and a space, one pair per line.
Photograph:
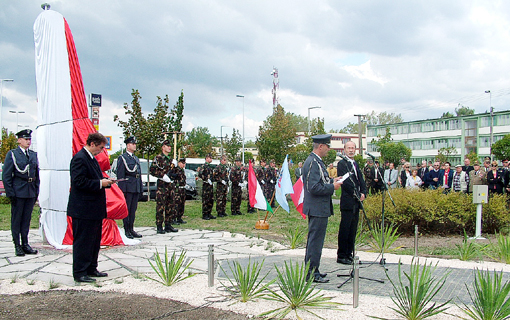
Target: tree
9, 142
299, 122
249, 144
447, 115
446, 154
330, 157
373, 118
198, 142
501, 148
460, 111
276, 136
150, 130
233, 145
391, 151
248, 156
316, 127
472, 156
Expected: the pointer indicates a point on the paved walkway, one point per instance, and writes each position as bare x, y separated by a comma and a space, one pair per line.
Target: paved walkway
56, 265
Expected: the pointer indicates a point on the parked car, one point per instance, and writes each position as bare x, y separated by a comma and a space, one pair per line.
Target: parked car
191, 184
148, 181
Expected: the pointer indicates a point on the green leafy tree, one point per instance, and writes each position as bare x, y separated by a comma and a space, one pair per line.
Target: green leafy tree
464, 111
447, 115
299, 122
373, 118
472, 156
391, 151
248, 156
446, 154
9, 142
316, 127
330, 157
276, 136
198, 142
501, 148
299, 153
249, 144
115, 155
232, 145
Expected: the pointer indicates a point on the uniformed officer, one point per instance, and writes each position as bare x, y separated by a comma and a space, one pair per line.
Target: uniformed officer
21, 182
261, 174
180, 191
220, 176
206, 174
236, 177
272, 176
161, 168
129, 173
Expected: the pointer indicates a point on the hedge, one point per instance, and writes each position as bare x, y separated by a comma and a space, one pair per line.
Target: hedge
437, 213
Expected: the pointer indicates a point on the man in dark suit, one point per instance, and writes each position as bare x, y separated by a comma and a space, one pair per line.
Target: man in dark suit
423, 174
298, 172
377, 174
317, 205
87, 207
21, 182
129, 170
353, 192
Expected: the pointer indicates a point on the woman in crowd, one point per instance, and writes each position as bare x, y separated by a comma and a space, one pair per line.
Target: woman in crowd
405, 174
495, 179
414, 181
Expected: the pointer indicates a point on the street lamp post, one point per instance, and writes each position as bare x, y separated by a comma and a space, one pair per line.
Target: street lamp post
309, 116
1, 101
492, 121
360, 132
221, 133
241, 96
17, 117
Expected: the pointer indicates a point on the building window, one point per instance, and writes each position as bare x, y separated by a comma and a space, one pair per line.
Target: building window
455, 125
441, 125
428, 126
440, 143
455, 143
416, 145
484, 141
416, 127
427, 145
502, 120
393, 130
485, 122
345, 140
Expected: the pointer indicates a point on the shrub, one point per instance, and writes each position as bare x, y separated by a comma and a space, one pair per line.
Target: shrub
435, 212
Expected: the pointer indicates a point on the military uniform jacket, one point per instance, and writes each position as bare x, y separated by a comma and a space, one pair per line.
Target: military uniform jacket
272, 175
348, 199
206, 173
180, 177
128, 167
236, 176
261, 176
318, 188
21, 174
160, 166
220, 173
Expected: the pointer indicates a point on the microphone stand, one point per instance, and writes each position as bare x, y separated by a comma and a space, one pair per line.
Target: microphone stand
382, 262
357, 195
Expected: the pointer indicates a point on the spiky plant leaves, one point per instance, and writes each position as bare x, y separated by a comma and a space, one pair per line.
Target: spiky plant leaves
171, 270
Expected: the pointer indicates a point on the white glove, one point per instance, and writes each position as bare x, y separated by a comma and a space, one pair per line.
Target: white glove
224, 183
174, 162
263, 182
209, 181
271, 181
240, 184
166, 179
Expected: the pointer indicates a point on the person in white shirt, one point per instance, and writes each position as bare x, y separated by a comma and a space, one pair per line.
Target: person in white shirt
414, 181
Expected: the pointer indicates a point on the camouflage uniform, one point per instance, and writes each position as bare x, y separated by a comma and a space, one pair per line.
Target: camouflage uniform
160, 166
206, 174
220, 176
367, 171
180, 193
272, 176
236, 176
263, 176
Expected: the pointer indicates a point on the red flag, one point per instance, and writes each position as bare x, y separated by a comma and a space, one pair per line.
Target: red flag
298, 195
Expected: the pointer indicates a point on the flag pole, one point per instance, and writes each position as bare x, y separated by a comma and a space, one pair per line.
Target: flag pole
271, 217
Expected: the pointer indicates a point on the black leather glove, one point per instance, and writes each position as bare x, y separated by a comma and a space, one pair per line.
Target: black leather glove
13, 200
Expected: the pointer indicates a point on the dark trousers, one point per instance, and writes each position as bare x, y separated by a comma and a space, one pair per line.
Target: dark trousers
21, 214
86, 245
132, 205
316, 233
347, 233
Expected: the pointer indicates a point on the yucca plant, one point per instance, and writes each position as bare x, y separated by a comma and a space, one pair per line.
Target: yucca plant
171, 270
468, 250
489, 297
295, 236
297, 292
413, 299
246, 283
378, 240
500, 251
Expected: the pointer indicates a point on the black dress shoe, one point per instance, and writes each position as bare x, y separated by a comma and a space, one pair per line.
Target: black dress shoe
19, 251
211, 216
206, 218
28, 250
323, 275
344, 261
318, 279
135, 234
180, 221
128, 234
169, 228
239, 213
98, 274
221, 215
84, 279
160, 230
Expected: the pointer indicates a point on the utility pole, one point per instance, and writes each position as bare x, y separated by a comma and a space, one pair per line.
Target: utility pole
360, 133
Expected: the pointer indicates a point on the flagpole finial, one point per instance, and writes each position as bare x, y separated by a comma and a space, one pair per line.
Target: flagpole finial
45, 6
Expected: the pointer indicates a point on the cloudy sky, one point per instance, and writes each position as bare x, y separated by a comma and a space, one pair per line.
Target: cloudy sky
417, 58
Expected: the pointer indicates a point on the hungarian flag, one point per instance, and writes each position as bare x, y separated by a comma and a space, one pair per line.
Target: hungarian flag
257, 199
298, 195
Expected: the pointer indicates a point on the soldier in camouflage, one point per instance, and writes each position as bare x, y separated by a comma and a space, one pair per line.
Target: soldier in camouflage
180, 191
220, 176
162, 168
262, 175
272, 176
206, 174
236, 177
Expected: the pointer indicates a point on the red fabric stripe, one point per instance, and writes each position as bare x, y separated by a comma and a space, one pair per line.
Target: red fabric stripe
252, 184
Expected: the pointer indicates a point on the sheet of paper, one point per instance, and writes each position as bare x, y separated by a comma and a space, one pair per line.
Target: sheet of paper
345, 176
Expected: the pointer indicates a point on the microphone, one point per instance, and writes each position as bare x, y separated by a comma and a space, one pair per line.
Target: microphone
342, 156
371, 156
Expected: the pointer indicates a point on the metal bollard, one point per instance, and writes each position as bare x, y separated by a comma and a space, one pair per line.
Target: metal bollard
355, 283
210, 271
416, 240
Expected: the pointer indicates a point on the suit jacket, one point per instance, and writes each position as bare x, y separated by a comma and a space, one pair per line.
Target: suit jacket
87, 200
21, 174
318, 188
495, 182
377, 175
347, 200
298, 172
392, 178
423, 173
128, 167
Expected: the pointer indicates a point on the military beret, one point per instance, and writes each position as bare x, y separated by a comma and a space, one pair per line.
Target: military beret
183, 160
476, 163
322, 138
25, 134
130, 140
165, 142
